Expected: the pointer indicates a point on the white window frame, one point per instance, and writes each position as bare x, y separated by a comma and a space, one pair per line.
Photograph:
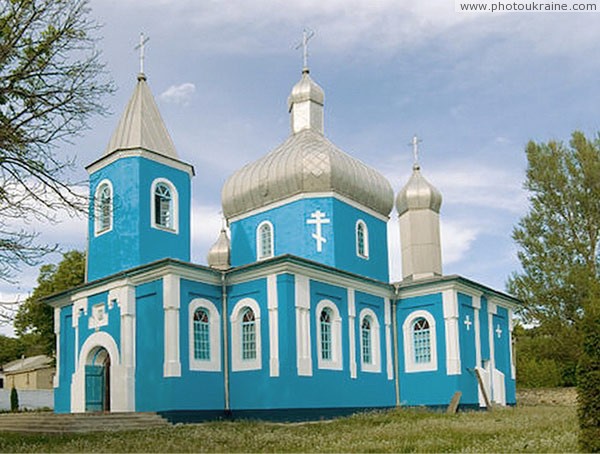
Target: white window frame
409, 352
362, 223
174, 206
214, 327
259, 241
375, 364
237, 363
97, 208
336, 362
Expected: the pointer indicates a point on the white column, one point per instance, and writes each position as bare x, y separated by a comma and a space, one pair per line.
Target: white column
450, 305
303, 352
351, 333
126, 299
171, 302
56, 379
388, 339
273, 325
511, 325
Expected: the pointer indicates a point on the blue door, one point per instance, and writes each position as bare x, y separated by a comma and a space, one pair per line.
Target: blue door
95, 388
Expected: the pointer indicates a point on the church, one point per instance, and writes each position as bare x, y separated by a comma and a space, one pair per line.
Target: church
294, 316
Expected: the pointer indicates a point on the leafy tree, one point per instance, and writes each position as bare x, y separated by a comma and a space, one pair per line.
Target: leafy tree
34, 322
51, 82
10, 349
559, 244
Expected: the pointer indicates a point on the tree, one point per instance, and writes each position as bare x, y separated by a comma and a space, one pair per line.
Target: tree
51, 82
34, 321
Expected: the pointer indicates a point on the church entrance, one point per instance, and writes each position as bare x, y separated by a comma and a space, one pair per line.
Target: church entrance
97, 381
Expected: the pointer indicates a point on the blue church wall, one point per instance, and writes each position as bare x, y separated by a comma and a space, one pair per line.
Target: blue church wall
114, 319
502, 352
66, 366
132, 241
293, 235
425, 387
468, 358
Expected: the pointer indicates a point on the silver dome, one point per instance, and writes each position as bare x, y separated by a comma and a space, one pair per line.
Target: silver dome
218, 255
417, 194
306, 89
305, 163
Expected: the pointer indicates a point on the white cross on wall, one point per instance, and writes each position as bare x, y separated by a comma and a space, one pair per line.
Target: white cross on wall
499, 331
468, 323
318, 219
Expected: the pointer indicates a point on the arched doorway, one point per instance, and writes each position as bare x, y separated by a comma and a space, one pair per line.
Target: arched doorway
97, 380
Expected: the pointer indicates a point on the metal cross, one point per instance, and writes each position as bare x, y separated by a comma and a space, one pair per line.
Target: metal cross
306, 35
468, 323
499, 331
141, 47
415, 146
318, 219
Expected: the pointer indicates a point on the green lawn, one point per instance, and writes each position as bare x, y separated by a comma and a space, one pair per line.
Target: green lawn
538, 425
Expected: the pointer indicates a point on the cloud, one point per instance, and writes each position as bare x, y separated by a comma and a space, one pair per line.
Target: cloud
179, 94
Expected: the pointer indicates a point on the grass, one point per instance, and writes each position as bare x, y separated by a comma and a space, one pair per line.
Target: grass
536, 425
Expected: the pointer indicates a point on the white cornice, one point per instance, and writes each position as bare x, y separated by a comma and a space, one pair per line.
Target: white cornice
140, 153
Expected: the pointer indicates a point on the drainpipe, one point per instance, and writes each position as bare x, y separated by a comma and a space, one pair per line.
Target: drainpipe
395, 328
225, 341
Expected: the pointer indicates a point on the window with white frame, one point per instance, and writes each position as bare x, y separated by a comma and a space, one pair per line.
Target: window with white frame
420, 352
205, 335
329, 336
103, 208
362, 239
370, 341
246, 336
264, 240
164, 206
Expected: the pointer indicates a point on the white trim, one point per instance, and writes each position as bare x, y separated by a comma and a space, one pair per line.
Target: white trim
171, 303
351, 331
375, 364
174, 206
98, 316
450, 307
125, 298
259, 241
388, 339
513, 369
365, 239
214, 333
57, 320
237, 363
97, 231
139, 153
309, 195
273, 325
336, 337
303, 342
409, 354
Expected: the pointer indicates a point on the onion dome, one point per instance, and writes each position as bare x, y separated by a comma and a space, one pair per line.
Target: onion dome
418, 194
218, 254
305, 163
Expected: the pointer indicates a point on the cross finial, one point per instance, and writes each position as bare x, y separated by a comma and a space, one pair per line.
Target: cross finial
306, 35
415, 147
141, 47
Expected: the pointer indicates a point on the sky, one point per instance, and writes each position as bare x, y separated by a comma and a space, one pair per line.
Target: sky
475, 88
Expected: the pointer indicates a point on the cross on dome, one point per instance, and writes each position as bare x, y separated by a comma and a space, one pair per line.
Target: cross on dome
141, 46
306, 36
415, 147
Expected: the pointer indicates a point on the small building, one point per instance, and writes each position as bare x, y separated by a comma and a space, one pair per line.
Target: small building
295, 315
35, 372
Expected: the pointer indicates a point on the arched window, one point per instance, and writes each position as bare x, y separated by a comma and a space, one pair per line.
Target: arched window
362, 240
103, 212
201, 335
329, 336
370, 343
204, 335
325, 320
419, 342
264, 240
246, 337
164, 206
365, 335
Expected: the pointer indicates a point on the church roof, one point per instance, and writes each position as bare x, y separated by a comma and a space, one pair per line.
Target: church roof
418, 193
307, 162
141, 125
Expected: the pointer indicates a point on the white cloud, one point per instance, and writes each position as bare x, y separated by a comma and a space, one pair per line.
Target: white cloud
179, 94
